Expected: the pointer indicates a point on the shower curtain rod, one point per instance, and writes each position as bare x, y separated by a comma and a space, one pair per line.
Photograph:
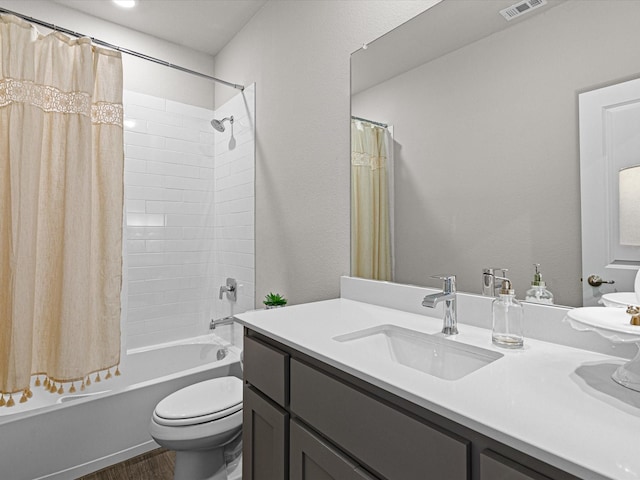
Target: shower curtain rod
119, 49
383, 125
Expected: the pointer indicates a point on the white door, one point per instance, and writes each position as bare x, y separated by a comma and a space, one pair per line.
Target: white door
609, 143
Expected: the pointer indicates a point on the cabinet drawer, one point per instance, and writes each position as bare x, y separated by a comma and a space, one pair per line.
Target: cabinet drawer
267, 369
395, 445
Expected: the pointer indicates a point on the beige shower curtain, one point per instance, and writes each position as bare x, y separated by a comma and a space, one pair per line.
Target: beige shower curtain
370, 231
61, 188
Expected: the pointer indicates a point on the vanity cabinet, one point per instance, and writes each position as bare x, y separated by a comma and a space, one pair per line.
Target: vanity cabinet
307, 420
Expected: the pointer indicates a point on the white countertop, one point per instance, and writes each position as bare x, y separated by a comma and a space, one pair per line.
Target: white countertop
553, 402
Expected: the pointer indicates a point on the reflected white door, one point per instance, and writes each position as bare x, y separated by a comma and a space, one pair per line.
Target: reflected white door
609, 143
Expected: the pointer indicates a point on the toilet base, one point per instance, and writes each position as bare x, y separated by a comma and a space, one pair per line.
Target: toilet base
200, 465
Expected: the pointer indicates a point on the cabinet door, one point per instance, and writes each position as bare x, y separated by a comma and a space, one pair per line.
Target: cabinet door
313, 459
497, 467
264, 437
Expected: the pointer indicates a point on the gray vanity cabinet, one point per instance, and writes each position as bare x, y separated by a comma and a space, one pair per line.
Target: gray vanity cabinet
307, 420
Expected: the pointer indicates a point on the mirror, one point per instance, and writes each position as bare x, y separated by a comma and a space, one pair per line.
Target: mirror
485, 150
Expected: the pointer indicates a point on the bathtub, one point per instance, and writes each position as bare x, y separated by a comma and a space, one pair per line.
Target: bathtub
66, 436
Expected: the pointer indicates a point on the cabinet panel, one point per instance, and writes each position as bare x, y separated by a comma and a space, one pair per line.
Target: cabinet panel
267, 369
497, 467
313, 459
388, 441
264, 437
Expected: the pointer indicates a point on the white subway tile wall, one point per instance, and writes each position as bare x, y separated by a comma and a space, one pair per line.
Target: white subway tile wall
234, 200
189, 202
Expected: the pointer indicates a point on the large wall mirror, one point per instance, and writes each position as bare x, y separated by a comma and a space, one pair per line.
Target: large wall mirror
481, 119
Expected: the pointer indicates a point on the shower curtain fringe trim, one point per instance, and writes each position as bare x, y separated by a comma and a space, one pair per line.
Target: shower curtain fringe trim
55, 385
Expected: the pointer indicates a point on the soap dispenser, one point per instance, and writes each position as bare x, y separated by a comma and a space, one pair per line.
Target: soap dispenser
508, 318
538, 293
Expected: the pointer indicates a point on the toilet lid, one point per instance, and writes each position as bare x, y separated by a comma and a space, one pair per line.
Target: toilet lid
203, 402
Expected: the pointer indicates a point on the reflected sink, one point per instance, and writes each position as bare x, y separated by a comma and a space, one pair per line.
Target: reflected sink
430, 354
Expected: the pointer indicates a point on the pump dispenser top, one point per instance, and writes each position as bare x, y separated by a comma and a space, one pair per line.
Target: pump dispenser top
538, 293
537, 277
507, 288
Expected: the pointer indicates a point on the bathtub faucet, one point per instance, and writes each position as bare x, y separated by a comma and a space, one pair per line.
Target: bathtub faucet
221, 321
231, 289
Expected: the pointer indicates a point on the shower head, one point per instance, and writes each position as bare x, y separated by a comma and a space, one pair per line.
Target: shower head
219, 124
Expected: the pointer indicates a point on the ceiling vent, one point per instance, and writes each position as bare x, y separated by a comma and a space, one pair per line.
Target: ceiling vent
521, 8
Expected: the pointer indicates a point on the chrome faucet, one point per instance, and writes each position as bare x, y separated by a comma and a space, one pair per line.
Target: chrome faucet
221, 321
448, 295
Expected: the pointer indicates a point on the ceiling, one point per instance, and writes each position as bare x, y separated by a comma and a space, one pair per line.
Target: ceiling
443, 28
203, 25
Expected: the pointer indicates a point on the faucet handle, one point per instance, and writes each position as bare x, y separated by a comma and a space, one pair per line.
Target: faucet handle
230, 288
449, 282
491, 281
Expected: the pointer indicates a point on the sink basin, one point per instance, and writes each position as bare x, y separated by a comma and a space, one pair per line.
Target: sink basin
429, 354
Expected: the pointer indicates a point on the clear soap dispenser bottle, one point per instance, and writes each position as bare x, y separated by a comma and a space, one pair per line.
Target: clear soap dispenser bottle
538, 292
508, 318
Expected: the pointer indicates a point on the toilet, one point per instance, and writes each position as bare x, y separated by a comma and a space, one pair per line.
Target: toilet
197, 422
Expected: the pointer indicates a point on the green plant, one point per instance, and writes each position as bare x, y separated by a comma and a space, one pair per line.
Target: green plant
274, 300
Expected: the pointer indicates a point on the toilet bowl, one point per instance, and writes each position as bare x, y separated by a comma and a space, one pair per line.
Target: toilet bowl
197, 422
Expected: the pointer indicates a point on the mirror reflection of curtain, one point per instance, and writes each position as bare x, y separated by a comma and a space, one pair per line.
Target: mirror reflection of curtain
370, 215
61, 197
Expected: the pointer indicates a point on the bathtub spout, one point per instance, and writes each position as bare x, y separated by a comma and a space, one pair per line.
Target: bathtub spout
221, 321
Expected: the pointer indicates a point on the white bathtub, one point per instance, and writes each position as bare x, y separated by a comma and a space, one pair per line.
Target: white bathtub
65, 436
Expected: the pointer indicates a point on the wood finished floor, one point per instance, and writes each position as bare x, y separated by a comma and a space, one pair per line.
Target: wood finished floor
155, 465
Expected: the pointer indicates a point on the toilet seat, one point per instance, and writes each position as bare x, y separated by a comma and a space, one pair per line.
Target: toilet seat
200, 403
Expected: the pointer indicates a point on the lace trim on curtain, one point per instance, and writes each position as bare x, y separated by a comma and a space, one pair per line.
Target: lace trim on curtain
110, 113
362, 159
51, 99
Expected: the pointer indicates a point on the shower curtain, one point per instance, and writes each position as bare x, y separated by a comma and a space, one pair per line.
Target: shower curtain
61, 189
370, 224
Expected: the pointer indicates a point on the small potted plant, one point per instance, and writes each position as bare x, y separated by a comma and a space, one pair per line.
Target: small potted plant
274, 300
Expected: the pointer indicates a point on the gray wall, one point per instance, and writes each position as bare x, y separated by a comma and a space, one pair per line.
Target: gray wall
487, 152
298, 53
